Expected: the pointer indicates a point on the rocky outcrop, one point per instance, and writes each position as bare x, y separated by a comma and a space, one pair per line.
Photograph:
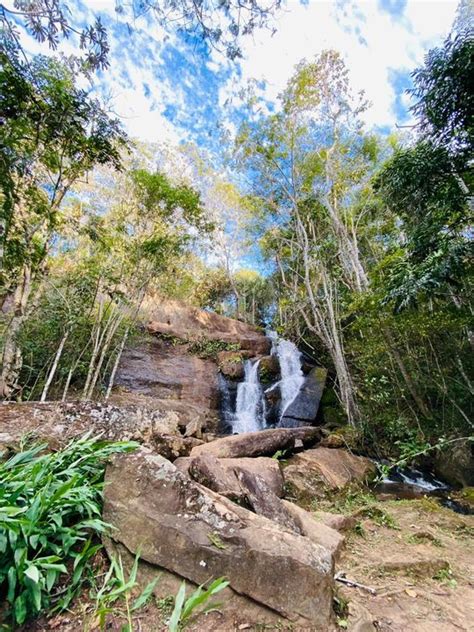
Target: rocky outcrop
173, 318
314, 472
56, 423
455, 463
303, 409
162, 371
262, 443
178, 524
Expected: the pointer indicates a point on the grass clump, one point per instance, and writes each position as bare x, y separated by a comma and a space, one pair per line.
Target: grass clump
50, 511
186, 609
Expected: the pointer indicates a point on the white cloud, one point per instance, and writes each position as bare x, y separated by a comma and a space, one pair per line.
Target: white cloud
370, 40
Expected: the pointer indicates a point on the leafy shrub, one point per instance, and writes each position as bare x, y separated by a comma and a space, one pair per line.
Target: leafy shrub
50, 509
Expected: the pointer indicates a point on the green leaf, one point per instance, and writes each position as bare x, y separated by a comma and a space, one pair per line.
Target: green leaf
173, 623
12, 579
20, 609
146, 594
33, 573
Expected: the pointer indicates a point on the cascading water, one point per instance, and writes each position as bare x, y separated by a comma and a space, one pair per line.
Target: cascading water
291, 374
292, 377
250, 405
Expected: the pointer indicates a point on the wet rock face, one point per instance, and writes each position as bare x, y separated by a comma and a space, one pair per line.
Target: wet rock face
190, 530
303, 410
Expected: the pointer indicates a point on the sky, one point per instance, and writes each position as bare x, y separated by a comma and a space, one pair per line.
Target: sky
166, 89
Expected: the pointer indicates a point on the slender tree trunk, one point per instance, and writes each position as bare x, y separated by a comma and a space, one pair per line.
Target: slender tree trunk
52, 371
11, 354
116, 364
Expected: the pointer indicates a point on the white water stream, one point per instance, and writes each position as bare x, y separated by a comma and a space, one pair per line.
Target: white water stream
250, 403
292, 377
250, 407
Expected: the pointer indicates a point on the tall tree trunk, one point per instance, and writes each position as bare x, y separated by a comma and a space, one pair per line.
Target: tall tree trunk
52, 371
116, 364
11, 354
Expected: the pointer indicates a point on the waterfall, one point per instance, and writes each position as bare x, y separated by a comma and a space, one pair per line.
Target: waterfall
250, 405
291, 375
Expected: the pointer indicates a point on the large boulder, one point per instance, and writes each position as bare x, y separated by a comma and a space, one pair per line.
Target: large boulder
261, 443
231, 363
159, 370
178, 524
455, 463
222, 475
314, 472
56, 423
303, 409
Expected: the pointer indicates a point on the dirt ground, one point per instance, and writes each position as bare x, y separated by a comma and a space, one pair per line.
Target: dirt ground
421, 567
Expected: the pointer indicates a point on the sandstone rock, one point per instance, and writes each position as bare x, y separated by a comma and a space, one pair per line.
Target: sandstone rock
183, 321
268, 368
314, 529
162, 371
339, 522
260, 498
172, 447
56, 423
221, 475
455, 464
231, 363
264, 442
189, 530
303, 409
314, 472
234, 610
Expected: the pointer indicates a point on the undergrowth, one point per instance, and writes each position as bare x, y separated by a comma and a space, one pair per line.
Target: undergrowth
50, 513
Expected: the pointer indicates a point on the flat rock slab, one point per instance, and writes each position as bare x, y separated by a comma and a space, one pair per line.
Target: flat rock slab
261, 443
178, 524
314, 472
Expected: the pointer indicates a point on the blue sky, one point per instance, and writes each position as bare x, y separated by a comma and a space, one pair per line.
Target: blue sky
166, 89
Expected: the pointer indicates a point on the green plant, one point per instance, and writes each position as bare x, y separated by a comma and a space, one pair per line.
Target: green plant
210, 348
445, 576
215, 539
116, 586
185, 609
50, 510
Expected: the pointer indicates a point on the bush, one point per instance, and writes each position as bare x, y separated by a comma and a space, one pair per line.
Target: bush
50, 510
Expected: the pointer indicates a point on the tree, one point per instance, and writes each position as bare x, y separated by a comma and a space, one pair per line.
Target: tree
220, 24
429, 184
52, 134
309, 163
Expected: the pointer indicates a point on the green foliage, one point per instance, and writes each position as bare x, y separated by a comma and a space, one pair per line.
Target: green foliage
205, 348
186, 609
116, 586
50, 127
50, 509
